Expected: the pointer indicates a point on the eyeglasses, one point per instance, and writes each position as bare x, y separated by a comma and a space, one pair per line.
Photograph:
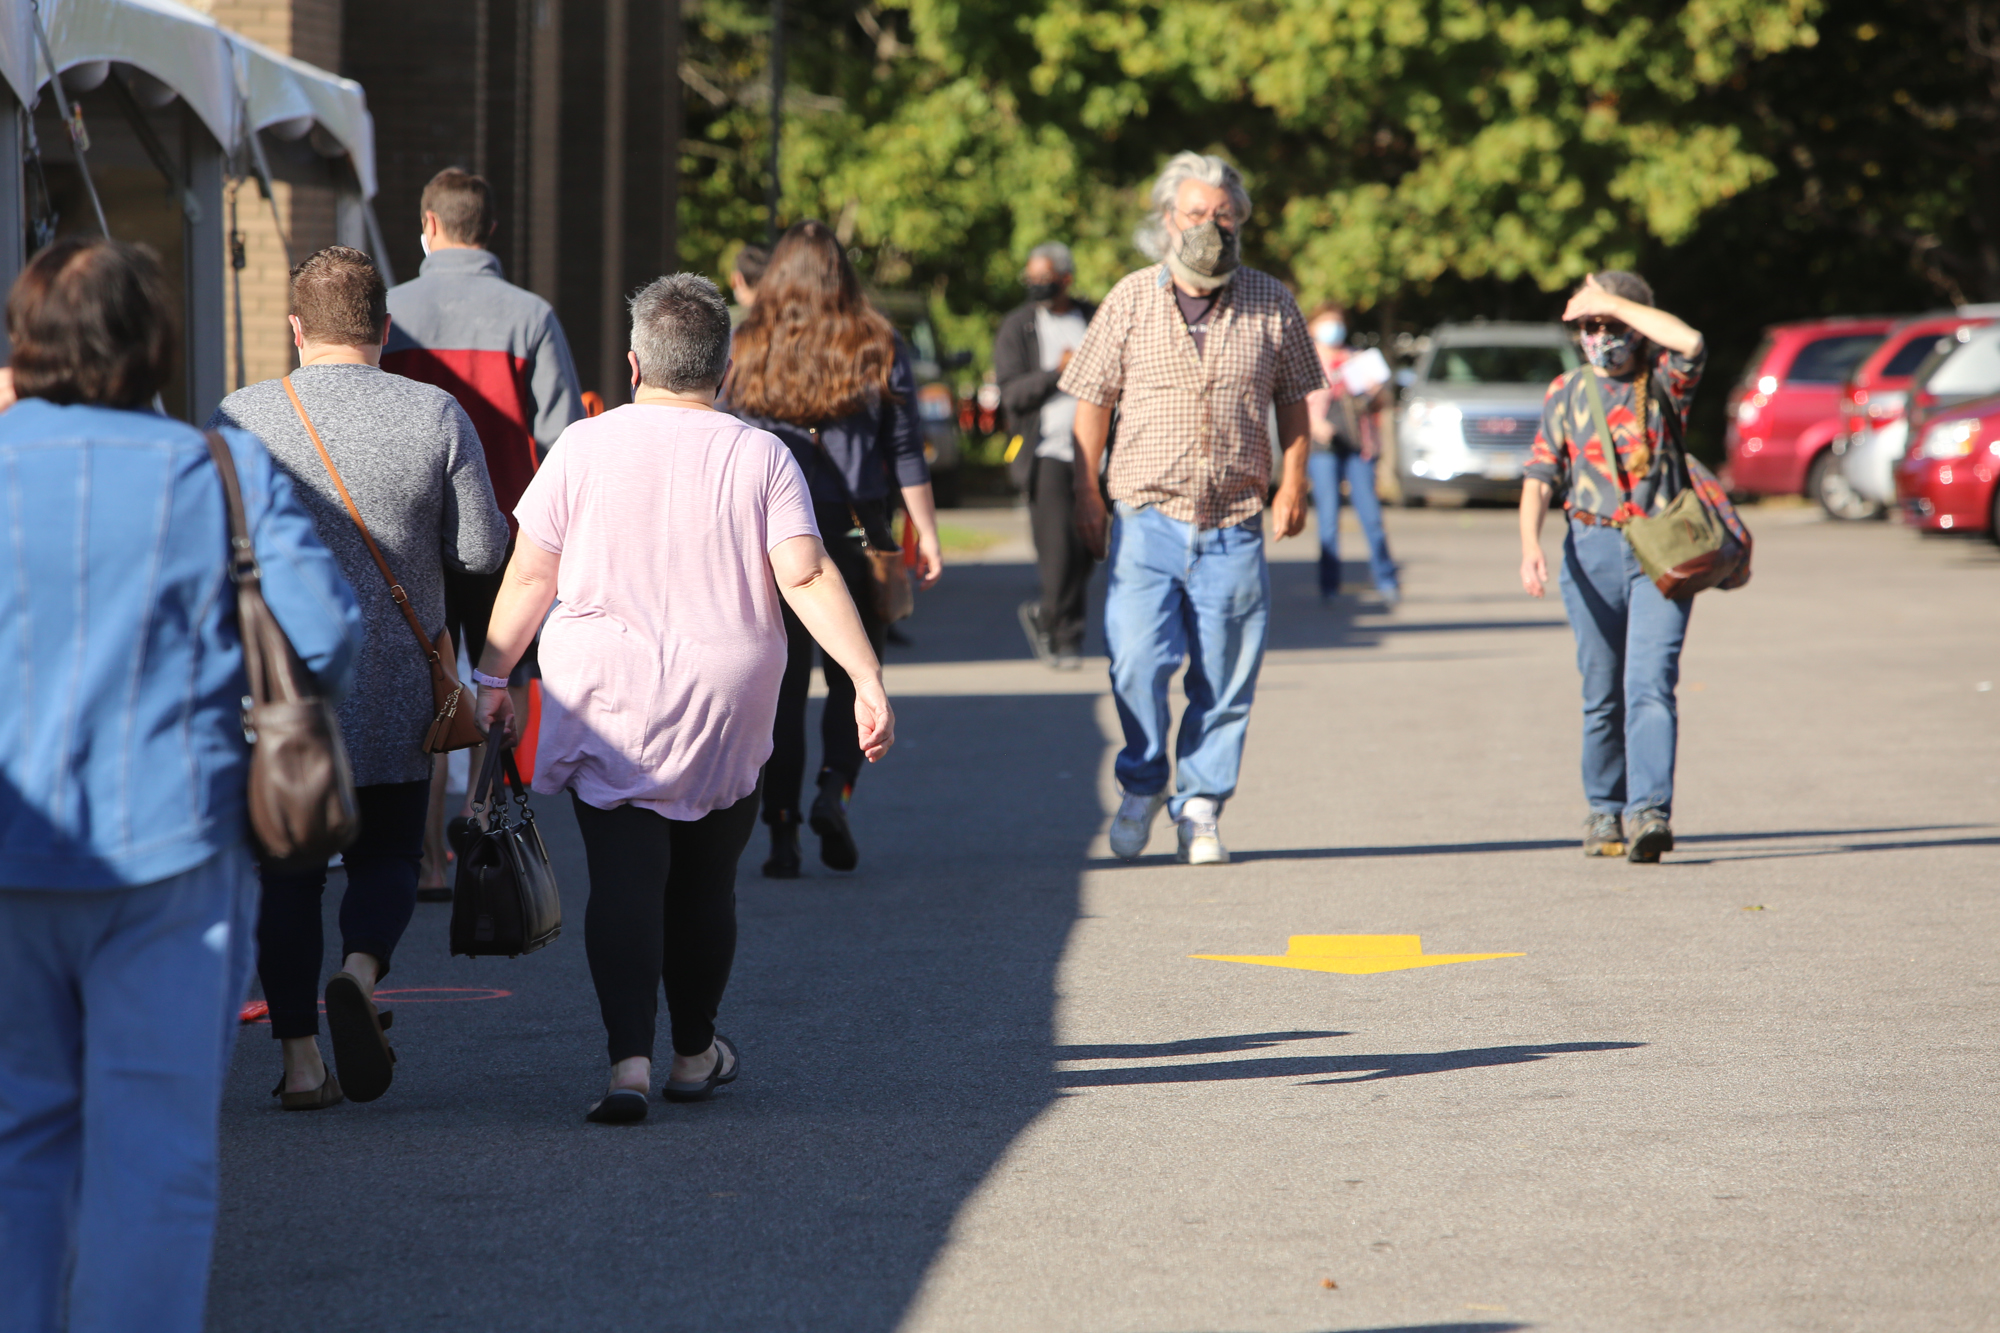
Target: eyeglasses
1225, 215
1601, 326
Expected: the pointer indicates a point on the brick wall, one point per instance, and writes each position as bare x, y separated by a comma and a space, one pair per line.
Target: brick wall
309, 30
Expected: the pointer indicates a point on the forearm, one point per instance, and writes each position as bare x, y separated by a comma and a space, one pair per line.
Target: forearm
823, 606
526, 594
921, 502
1534, 508
1294, 433
1091, 429
1657, 326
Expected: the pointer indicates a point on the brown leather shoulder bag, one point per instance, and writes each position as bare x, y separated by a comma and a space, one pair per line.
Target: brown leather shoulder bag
453, 725
301, 790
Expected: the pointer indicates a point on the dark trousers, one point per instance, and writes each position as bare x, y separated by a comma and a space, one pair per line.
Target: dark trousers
840, 743
662, 909
468, 609
374, 912
1064, 560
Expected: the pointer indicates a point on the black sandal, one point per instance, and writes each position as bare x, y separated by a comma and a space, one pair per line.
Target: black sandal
702, 1091
312, 1099
621, 1106
361, 1052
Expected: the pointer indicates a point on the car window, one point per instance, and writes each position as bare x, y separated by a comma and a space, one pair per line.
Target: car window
1906, 359
1974, 368
1832, 360
1499, 365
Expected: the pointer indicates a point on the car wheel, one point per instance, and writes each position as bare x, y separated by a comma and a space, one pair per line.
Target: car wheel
1826, 483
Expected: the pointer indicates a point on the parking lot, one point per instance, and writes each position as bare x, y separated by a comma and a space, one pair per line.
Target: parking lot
990, 1086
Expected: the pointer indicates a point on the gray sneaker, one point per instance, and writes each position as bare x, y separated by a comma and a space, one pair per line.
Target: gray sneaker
1603, 834
1030, 614
1651, 835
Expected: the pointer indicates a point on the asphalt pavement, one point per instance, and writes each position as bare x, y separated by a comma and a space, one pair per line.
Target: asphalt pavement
989, 1086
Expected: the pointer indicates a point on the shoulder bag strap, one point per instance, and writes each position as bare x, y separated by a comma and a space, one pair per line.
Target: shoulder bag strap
1603, 424
243, 569
396, 592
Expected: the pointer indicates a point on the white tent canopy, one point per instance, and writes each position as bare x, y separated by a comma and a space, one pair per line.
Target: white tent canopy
234, 86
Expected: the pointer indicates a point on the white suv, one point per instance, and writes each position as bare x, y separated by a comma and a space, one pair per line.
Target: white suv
1470, 413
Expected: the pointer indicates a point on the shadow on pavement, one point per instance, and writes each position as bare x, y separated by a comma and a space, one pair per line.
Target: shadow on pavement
895, 1027
1554, 844
1254, 1041
1440, 1328
1369, 1067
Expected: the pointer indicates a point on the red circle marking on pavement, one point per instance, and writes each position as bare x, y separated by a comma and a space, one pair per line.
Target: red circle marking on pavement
257, 1011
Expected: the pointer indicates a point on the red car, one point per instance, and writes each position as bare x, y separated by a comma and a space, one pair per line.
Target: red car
1946, 483
1785, 412
1875, 400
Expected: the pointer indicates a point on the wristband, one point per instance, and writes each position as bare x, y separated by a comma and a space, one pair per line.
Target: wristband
490, 682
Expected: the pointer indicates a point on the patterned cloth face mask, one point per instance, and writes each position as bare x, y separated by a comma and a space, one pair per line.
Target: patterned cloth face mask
1609, 349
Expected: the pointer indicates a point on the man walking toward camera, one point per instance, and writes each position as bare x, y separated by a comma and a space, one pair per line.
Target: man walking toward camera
1030, 353
1206, 348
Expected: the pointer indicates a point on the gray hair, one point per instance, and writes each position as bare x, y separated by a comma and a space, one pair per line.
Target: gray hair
1057, 254
1204, 167
680, 331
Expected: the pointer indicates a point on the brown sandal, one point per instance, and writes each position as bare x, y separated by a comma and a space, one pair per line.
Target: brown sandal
314, 1099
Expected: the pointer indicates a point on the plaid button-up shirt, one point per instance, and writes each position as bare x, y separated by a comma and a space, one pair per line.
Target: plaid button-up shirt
1194, 433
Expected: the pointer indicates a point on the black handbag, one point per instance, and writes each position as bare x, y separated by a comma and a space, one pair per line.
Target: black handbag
505, 900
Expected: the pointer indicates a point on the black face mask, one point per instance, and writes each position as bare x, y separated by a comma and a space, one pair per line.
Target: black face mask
1041, 293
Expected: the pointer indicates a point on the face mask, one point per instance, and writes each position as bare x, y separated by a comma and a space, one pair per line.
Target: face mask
424, 239
1609, 351
1041, 293
1211, 249
1330, 334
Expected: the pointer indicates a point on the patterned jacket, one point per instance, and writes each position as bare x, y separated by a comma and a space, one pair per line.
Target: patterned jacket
1570, 458
1194, 432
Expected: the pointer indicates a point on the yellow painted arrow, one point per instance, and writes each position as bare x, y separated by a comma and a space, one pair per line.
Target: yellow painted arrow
1353, 954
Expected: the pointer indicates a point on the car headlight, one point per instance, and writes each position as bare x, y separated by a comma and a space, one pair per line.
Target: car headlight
1436, 423
1950, 439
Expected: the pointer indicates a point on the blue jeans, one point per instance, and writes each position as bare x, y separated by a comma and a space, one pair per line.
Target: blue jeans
1326, 471
120, 1012
1628, 647
1203, 595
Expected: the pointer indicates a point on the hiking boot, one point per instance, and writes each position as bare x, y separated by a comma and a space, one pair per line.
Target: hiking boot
784, 860
1132, 826
1200, 838
829, 819
1651, 835
1603, 834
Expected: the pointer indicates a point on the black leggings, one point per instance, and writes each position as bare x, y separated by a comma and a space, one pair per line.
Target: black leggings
840, 743
662, 908
374, 912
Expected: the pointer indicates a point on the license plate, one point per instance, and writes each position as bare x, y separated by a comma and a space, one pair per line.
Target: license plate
1503, 469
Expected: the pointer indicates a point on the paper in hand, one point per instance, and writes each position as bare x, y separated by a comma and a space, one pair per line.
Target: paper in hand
1364, 372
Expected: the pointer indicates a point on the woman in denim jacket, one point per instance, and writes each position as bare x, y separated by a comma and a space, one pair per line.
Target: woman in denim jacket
128, 889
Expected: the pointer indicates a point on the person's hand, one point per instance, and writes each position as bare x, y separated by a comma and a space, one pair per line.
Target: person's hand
6, 387
1590, 299
1288, 511
495, 713
1093, 525
1534, 572
1067, 353
874, 720
930, 559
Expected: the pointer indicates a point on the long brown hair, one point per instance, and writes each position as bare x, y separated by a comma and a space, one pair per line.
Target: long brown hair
811, 349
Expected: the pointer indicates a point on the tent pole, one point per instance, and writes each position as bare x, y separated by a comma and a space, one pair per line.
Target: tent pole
72, 116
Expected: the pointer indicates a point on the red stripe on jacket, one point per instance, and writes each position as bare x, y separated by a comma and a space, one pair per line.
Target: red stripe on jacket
492, 387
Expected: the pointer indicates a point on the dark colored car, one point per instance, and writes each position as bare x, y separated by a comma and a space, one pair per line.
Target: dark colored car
1784, 413
1947, 482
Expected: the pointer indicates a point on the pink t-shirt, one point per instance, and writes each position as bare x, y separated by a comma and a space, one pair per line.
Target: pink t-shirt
661, 662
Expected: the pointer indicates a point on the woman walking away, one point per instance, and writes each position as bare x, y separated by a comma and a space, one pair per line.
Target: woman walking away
818, 367
1644, 365
127, 885
669, 532
411, 463
1344, 449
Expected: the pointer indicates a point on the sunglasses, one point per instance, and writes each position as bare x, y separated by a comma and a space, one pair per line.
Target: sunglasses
1601, 326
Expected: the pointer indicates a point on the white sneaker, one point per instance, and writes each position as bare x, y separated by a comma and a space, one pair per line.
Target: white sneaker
1200, 838
1133, 824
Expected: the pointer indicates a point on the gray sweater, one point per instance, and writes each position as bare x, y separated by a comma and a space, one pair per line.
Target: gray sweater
416, 470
